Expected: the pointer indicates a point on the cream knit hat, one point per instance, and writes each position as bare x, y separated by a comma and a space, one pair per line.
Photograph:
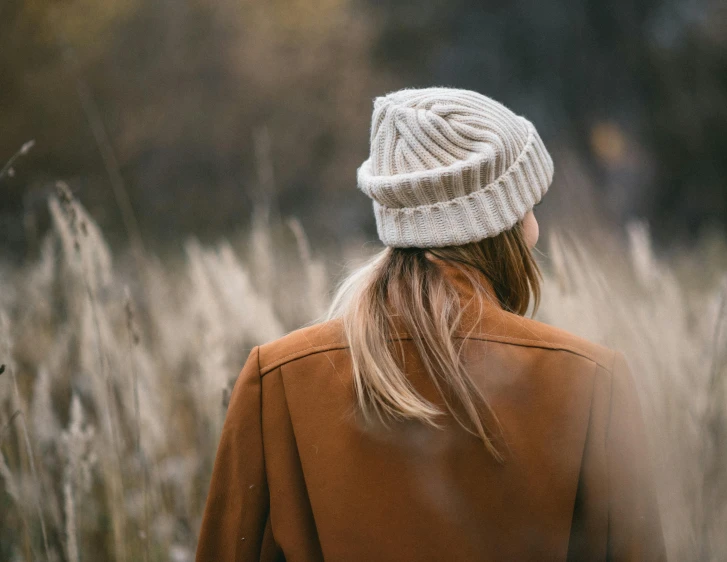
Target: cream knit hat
450, 166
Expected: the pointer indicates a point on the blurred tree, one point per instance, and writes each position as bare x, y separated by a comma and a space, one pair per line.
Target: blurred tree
182, 89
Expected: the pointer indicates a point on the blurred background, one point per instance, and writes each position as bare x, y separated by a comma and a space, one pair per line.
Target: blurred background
219, 140
172, 118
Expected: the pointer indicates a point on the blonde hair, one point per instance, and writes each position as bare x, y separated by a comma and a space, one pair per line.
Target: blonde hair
404, 286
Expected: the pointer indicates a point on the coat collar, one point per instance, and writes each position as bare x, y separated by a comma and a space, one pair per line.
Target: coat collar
480, 306
481, 309
461, 278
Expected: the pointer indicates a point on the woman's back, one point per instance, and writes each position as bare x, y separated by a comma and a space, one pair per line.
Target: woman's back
430, 420
318, 483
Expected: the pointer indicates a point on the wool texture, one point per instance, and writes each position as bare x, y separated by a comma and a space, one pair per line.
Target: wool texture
450, 166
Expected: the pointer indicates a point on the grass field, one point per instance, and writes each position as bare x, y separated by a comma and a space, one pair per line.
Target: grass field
116, 371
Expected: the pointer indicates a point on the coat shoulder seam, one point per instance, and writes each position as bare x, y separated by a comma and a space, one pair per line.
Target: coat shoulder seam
523, 342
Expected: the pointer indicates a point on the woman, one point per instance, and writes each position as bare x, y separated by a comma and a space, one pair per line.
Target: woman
428, 419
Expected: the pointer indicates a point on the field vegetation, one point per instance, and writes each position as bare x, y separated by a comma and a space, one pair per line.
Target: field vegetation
116, 370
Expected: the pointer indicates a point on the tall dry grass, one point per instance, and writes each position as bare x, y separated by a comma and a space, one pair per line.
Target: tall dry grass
116, 374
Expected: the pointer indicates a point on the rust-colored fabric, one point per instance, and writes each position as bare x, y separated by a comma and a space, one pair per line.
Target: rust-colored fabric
299, 478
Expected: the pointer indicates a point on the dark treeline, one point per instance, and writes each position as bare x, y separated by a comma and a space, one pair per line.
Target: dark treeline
198, 111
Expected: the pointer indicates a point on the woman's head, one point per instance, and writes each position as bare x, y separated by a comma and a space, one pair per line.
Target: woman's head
454, 177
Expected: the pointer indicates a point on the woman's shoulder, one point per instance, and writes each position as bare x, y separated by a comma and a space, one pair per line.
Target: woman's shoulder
315, 338
519, 330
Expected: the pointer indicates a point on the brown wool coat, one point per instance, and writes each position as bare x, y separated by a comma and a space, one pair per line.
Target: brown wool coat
299, 478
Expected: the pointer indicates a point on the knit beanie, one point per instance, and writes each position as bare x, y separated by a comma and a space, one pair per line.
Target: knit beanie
450, 166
